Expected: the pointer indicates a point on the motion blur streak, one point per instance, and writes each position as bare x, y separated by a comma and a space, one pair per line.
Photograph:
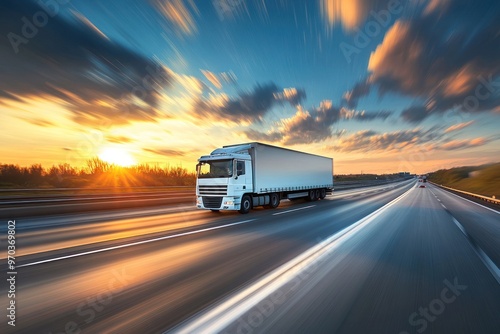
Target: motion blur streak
229, 311
136, 243
392, 266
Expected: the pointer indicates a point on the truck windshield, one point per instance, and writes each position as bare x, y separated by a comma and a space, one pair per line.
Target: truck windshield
215, 168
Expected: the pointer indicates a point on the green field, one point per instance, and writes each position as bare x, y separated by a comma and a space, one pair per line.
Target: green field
483, 180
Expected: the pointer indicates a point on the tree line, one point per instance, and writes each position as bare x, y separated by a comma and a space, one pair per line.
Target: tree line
96, 173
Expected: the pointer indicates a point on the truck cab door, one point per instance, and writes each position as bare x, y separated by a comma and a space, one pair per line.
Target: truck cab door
244, 173
248, 176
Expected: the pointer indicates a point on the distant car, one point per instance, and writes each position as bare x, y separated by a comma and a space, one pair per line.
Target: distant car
422, 186
419, 180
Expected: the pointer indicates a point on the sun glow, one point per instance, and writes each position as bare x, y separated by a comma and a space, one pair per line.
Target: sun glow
117, 156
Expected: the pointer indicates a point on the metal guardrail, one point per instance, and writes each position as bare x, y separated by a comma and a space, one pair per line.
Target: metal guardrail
481, 197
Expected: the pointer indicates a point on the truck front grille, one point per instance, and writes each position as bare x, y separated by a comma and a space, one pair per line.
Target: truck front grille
220, 190
212, 202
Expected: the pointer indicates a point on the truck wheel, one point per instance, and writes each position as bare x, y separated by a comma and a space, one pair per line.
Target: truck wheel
274, 200
318, 194
312, 195
246, 204
322, 194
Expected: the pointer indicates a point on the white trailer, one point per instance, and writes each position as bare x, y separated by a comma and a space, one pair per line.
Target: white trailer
239, 177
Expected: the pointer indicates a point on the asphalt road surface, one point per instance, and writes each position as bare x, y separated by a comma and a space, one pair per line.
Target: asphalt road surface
388, 259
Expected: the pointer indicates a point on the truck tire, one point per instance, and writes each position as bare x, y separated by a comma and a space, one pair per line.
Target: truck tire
318, 194
246, 204
312, 195
274, 201
322, 193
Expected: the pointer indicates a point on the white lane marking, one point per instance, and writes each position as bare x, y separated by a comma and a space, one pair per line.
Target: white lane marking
360, 191
287, 211
468, 200
218, 317
443, 206
492, 267
135, 243
438, 199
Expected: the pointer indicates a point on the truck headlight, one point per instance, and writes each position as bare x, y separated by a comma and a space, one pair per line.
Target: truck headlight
198, 201
231, 202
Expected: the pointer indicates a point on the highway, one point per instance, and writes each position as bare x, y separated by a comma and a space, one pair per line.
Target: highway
393, 258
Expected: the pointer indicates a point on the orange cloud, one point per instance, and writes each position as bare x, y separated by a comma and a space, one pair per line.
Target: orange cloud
369, 141
350, 13
445, 63
458, 126
465, 143
218, 79
179, 14
314, 125
212, 78
461, 82
436, 5
393, 47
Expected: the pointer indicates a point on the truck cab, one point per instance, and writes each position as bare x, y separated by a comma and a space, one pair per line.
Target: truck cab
223, 177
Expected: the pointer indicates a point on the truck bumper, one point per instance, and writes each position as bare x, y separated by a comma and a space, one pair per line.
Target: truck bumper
217, 203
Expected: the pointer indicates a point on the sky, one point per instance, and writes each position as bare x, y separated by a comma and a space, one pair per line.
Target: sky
381, 86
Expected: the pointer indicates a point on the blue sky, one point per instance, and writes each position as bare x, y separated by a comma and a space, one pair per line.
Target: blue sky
380, 85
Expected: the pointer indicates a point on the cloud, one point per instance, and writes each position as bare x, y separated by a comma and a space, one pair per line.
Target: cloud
72, 63
436, 6
103, 114
315, 125
248, 106
179, 12
165, 152
310, 126
217, 79
212, 78
371, 141
458, 126
351, 97
432, 139
415, 114
118, 139
448, 61
38, 122
465, 143
271, 136
291, 95
228, 77
351, 13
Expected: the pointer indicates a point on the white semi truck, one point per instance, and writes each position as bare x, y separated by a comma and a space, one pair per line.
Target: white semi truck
243, 176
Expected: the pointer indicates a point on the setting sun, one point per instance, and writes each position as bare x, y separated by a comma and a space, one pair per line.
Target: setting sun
117, 156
